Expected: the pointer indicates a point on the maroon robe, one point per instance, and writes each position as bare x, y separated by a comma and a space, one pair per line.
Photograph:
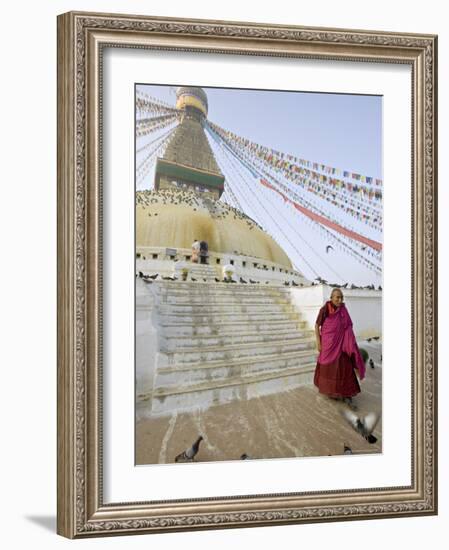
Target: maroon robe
336, 378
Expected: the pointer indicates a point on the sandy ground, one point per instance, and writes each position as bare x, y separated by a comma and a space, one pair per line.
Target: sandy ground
296, 423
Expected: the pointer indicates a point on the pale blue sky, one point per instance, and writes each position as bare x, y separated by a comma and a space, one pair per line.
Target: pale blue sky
343, 131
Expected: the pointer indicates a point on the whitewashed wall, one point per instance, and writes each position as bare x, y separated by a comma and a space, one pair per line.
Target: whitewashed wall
364, 306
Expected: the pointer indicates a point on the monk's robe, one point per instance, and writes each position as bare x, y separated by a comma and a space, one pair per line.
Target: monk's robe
340, 355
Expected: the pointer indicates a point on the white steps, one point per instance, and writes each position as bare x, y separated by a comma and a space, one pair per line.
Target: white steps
202, 271
172, 376
217, 392
229, 349
222, 341
228, 327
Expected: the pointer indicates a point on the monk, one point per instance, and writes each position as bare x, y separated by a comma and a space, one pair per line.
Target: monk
339, 356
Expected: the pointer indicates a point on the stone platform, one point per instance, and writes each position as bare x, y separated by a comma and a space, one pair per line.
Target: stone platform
217, 343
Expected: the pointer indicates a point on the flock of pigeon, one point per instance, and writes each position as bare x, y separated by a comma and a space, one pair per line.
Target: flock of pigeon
150, 278
217, 209
362, 425
352, 287
189, 454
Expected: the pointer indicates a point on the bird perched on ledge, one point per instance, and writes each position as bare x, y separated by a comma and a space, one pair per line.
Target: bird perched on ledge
189, 454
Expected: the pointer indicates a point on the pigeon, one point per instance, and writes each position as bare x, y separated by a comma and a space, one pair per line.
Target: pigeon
368, 339
242, 280
217, 280
347, 450
252, 282
140, 274
154, 277
370, 422
379, 288
286, 283
246, 456
354, 287
376, 338
294, 284
345, 285
189, 454
364, 426
192, 279
168, 278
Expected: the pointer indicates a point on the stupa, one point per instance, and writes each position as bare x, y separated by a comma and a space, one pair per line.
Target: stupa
184, 206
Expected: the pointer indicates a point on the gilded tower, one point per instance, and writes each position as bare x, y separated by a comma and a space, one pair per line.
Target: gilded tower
189, 162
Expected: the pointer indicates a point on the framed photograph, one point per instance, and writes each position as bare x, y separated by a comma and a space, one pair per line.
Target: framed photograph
247, 271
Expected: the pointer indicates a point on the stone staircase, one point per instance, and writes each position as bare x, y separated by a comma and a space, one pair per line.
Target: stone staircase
202, 271
219, 342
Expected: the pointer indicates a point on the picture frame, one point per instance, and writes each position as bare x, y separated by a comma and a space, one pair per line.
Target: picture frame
82, 509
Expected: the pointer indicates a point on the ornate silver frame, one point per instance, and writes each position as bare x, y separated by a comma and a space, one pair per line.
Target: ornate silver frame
81, 37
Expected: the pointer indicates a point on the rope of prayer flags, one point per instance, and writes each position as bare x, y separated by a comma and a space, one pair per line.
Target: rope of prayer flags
256, 175
325, 221
332, 194
147, 126
333, 235
302, 162
373, 219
